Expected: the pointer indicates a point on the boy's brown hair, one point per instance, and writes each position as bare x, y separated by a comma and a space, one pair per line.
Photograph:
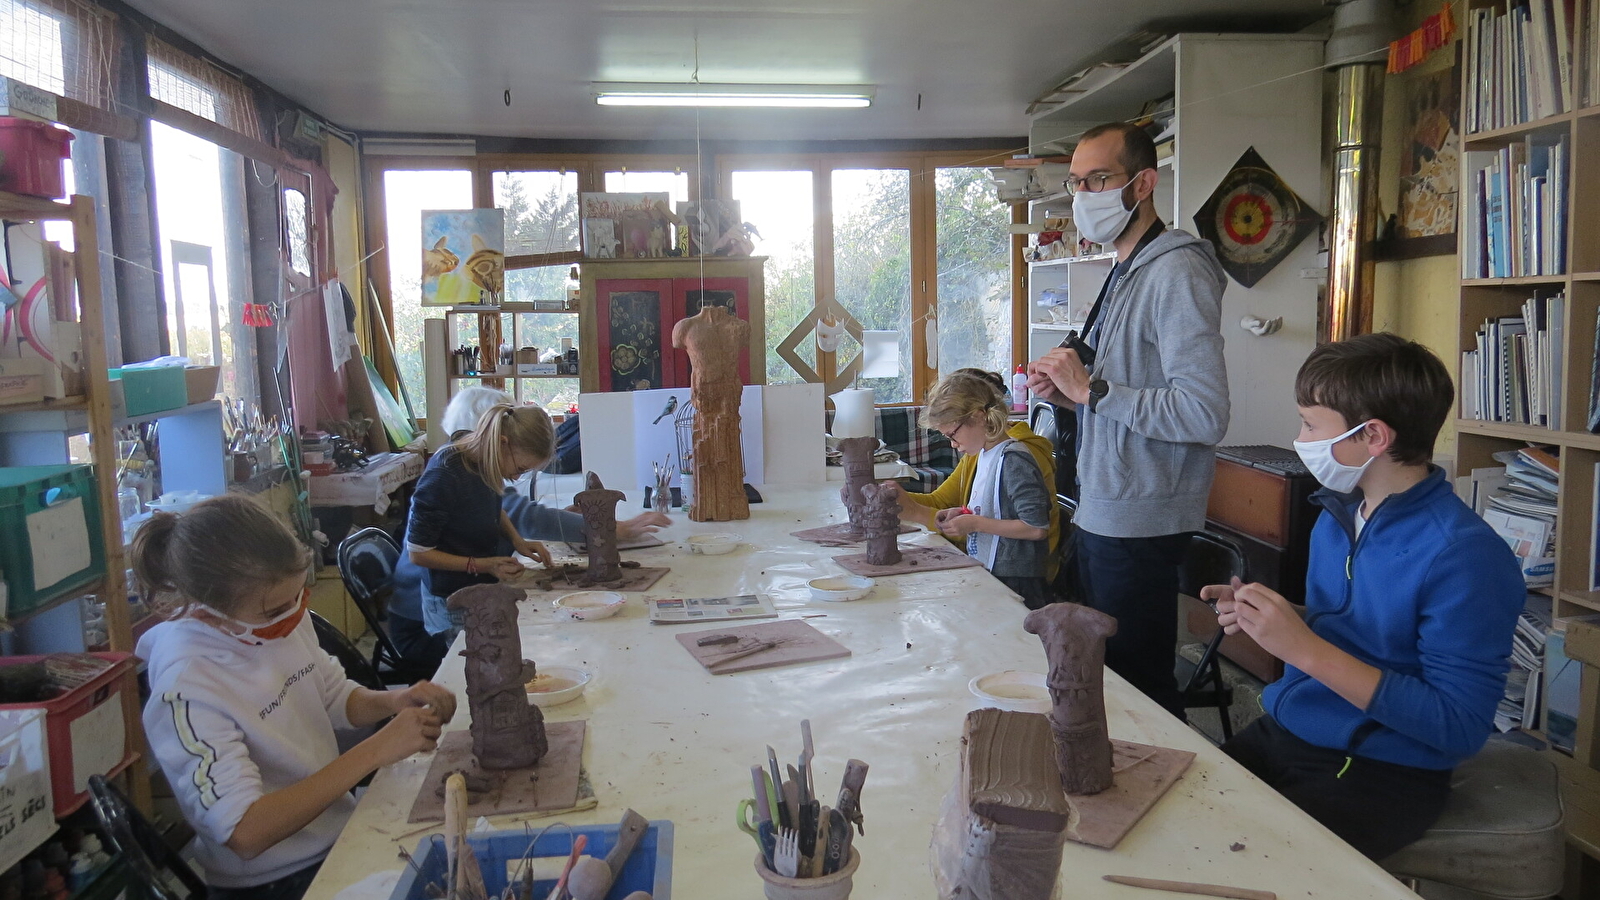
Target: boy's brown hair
1381, 376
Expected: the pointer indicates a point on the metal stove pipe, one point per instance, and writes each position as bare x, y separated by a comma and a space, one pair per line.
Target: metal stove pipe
1361, 29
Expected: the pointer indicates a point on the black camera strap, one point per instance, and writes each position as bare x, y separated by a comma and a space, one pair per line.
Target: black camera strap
1118, 273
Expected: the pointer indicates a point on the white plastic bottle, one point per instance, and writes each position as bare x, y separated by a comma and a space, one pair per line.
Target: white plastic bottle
1019, 391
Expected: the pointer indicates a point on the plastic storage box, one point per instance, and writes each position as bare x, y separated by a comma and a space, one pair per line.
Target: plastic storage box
33, 154
146, 391
648, 869
85, 730
49, 533
25, 804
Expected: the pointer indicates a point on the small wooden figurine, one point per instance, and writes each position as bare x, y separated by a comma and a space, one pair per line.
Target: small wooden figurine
507, 730
1074, 639
714, 338
599, 508
856, 453
880, 516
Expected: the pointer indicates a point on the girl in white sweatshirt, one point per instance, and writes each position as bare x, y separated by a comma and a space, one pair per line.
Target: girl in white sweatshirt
244, 704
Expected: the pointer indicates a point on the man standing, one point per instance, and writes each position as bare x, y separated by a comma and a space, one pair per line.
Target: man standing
1151, 393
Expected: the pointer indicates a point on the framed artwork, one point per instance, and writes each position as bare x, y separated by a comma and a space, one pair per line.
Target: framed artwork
1430, 166
463, 256
707, 221
1254, 219
628, 218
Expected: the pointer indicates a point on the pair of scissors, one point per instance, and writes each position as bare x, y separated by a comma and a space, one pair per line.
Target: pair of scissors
760, 830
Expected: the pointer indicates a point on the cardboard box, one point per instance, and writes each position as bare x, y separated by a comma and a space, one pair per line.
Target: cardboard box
22, 380
201, 382
25, 800
537, 369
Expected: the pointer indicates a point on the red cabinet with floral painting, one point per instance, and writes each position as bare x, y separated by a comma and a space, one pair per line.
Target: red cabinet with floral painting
631, 306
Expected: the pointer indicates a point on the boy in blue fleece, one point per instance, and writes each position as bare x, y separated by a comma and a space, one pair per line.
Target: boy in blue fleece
1393, 676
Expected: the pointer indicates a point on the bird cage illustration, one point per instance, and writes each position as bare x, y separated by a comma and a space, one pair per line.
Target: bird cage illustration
683, 423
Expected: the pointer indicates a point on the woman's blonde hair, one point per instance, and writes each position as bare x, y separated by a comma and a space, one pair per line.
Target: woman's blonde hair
219, 553
959, 396
526, 429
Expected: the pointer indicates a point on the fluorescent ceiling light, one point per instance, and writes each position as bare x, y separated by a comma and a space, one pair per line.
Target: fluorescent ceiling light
813, 96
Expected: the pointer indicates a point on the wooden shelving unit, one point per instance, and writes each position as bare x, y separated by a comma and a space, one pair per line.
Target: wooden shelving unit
79, 211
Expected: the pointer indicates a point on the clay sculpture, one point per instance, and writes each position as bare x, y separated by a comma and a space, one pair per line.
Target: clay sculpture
880, 518
599, 508
856, 455
507, 730
713, 339
1074, 639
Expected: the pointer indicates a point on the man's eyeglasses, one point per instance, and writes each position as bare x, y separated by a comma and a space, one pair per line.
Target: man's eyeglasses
1094, 183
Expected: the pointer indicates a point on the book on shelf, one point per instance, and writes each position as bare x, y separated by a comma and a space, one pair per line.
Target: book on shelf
1516, 216
1519, 708
1594, 534
1515, 371
1519, 63
1522, 510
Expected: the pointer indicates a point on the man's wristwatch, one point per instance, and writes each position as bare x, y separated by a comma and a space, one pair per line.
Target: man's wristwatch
1097, 391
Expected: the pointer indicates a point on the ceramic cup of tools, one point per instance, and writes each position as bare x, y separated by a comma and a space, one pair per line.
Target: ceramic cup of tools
825, 887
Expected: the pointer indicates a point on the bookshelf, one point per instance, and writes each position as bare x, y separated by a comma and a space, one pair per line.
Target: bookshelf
1578, 127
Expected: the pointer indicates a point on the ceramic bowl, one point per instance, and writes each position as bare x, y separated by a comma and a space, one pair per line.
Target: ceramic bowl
555, 685
713, 544
838, 588
178, 502
1016, 691
588, 606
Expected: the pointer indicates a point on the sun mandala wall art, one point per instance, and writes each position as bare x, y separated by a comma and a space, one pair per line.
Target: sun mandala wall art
1254, 219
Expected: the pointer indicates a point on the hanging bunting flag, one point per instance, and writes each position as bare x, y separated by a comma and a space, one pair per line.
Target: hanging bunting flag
1436, 32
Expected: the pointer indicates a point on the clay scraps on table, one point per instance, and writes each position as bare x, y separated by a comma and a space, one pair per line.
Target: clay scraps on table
913, 560
550, 785
570, 577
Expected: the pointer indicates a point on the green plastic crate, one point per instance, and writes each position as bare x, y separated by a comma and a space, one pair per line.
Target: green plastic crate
57, 507
153, 390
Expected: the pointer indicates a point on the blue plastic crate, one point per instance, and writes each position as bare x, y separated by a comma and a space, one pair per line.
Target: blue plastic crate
648, 869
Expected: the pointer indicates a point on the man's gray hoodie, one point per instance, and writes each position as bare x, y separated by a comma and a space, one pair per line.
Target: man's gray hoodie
1147, 452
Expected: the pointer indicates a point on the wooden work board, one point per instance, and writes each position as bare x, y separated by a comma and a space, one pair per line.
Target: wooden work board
552, 784
912, 561
567, 578
838, 535
1142, 774
797, 641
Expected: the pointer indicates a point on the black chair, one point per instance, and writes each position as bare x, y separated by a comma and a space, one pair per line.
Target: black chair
1210, 559
1065, 585
334, 643
155, 870
366, 565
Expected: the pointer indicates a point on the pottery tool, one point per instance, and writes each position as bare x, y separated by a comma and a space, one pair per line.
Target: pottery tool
782, 813
797, 642
578, 843
820, 857
465, 878
838, 843
762, 647
712, 640
1192, 887
629, 832
791, 799
807, 755
849, 803
758, 779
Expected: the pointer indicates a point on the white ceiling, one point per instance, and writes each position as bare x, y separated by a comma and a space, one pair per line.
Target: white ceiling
442, 66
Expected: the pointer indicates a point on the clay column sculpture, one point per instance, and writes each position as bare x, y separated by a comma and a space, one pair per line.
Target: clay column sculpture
880, 516
856, 453
599, 508
714, 338
507, 730
1074, 640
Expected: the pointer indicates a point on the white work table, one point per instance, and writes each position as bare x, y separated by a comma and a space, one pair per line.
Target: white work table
674, 742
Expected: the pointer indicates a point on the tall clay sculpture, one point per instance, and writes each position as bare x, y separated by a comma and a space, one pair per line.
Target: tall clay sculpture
857, 455
714, 338
1074, 640
599, 508
880, 517
507, 730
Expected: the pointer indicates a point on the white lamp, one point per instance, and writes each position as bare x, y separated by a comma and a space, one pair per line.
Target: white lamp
791, 96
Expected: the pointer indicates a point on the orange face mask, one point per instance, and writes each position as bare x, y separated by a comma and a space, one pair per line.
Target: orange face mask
279, 626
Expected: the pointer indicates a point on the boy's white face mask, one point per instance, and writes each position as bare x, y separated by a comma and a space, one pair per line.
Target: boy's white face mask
1332, 474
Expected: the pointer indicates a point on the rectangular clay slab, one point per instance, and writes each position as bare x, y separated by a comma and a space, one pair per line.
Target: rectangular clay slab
552, 784
912, 561
1008, 761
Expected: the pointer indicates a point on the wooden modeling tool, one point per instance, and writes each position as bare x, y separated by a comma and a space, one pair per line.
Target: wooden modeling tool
1192, 887
578, 844
741, 654
466, 880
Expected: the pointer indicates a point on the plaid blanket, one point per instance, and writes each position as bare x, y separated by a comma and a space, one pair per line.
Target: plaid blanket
928, 453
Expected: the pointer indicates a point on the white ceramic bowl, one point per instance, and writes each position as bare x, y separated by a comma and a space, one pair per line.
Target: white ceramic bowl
555, 685
838, 588
1016, 691
178, 502
588, 606
714, 544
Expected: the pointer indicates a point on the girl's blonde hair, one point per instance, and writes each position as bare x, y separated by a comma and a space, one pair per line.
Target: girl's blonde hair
958, 396
526, 429
219, 553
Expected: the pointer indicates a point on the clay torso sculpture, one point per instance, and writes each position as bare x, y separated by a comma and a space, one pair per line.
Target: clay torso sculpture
856, 454
599, 508
1074, 639
880, 515
714, 338
507, 730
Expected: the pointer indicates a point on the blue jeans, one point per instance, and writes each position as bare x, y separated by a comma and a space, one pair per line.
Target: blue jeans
289, 887
1135, 581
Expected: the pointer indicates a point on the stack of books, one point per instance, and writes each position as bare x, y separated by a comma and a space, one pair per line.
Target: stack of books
1515, 220
1519, 63
1522, 510
1520, 706
1515, 373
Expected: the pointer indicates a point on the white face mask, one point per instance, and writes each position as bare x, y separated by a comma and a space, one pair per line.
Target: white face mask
1332, 474
1101, 216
